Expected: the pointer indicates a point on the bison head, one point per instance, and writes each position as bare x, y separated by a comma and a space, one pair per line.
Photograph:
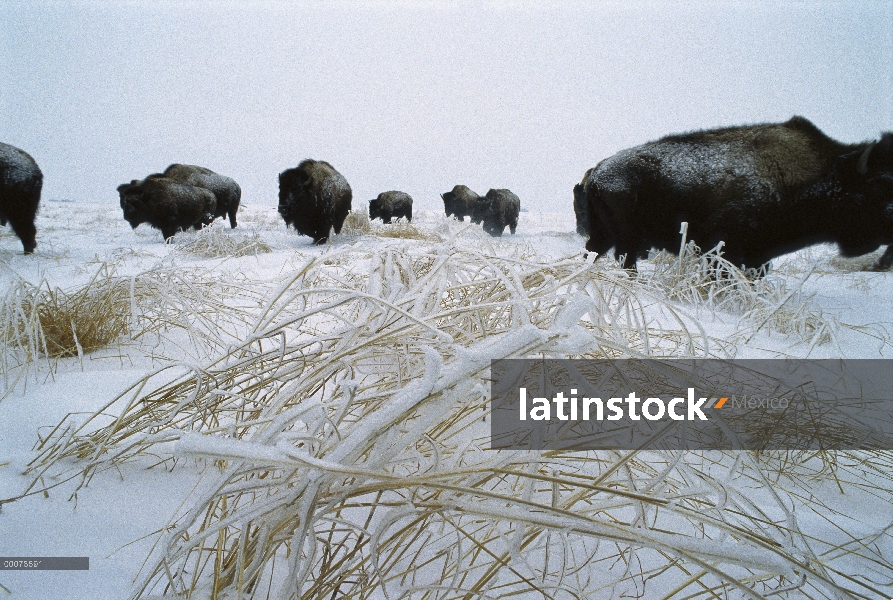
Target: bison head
134, 210
581, 210
375, 210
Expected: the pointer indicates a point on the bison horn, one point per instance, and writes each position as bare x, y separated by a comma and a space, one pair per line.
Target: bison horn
862, 166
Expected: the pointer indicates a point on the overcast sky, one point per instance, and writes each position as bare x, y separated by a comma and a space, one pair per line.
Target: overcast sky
421, 96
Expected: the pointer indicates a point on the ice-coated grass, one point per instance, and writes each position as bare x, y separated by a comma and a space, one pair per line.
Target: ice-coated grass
762, 301
346, 429
216, 242
356, 223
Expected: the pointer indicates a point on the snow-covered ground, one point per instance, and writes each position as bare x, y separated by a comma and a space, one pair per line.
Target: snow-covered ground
202, 308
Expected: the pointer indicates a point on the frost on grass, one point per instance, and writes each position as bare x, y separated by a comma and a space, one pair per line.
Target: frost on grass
761, 301
216, 242
358, 224
189, 309
347, 436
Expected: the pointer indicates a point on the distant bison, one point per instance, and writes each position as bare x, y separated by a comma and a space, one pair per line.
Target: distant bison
764, 190
391, 205
460, 202
314, 197
499, 208
166, 204
20, 185
226, 191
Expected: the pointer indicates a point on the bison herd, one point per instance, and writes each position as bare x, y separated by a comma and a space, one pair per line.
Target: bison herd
763, 190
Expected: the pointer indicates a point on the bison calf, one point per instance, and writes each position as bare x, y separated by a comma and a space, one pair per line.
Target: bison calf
314, 198
20, 185
764, 190
460, 202
226, 191
391, 205
498, 209
166, 204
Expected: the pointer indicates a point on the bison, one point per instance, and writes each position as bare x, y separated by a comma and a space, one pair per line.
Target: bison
20, 184
166, 204
581, 211
314, 197
764, 190
391, 205
498, 209
460, 202
226, 191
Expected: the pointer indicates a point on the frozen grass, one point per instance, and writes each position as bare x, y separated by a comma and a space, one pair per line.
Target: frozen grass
346, 434
763, 302
406, 231
44, 321
215, 242
356, 223
193, 311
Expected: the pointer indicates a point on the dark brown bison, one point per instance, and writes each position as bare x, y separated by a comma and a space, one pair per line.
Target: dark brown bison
581, 211
226, 191
764, 190
166, 204
314, 197
460, 202
20, 185
391, 205
498, 209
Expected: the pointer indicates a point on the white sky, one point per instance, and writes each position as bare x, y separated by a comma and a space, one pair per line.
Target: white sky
419, 96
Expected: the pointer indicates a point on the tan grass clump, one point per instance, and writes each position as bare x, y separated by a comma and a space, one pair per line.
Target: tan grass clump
357, 223
406, 231
215, 242
45, 321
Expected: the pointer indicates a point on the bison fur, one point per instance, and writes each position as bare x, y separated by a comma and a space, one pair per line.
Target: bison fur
20, 184
460, 202
391, 205
764, 190
314, 198
166, 204
226, 191
499, 209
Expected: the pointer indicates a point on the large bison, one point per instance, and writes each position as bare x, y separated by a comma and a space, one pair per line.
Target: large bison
226, 191
460, 202
166, 204
20, 185
498, 209
391, 205
314, 197
764, 190
581, 211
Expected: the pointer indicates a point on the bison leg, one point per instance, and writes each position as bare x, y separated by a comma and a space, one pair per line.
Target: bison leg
24, 228
168, 233
513, 226
409, 214
232, 216
885, 261
386, 220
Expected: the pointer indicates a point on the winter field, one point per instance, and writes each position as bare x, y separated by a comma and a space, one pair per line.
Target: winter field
242, 414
